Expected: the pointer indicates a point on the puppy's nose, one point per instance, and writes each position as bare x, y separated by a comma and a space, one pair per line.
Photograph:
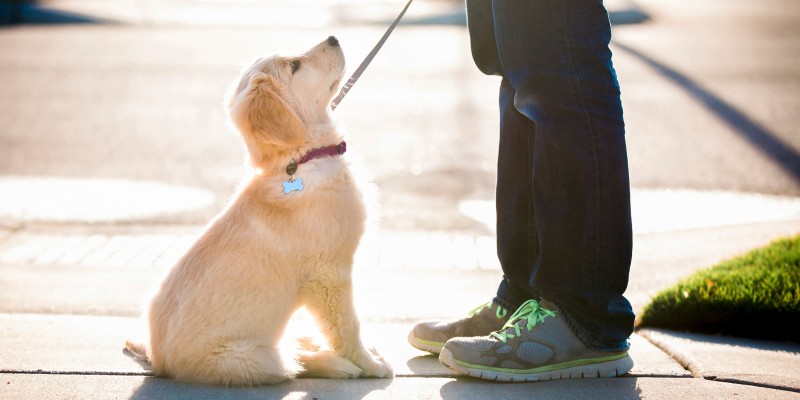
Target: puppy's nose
333, 41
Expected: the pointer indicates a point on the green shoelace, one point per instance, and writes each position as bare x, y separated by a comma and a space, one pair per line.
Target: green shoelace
500, 313
531, 311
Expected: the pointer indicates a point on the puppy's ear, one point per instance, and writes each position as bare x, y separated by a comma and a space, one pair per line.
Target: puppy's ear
260, 108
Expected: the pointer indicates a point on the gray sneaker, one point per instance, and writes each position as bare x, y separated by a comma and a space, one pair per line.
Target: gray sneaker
534, 345
483, 320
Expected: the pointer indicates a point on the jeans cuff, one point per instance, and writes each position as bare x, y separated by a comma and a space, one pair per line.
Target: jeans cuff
587, 338
512, 297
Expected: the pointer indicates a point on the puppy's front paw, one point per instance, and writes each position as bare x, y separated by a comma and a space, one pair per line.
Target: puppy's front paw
327, 364
342, 369
376, 367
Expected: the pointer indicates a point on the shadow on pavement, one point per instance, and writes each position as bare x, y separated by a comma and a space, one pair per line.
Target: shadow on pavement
628, 16
623, 387
157, 388
458, 17
19, 12
760, 137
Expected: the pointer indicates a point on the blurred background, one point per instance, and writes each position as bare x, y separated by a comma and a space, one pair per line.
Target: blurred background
126, 95
111, 115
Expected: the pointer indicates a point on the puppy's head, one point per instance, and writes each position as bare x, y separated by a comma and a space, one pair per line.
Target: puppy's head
278, 96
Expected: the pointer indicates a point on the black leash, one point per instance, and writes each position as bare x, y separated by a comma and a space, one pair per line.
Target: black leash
367, 60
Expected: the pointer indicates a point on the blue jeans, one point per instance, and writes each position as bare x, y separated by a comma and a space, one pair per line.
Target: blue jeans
563, 192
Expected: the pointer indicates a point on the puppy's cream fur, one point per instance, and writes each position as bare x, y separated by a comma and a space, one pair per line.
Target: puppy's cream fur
219, 314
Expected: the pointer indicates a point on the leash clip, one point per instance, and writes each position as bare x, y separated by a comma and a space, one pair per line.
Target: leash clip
292, 184
291, 169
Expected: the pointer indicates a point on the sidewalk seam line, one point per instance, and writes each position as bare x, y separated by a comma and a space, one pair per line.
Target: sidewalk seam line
684, 360
81, 373
756, 384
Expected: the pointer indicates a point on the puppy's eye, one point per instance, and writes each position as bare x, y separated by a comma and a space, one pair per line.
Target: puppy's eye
295, 64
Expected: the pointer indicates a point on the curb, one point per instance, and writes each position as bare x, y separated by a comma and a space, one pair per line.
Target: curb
685, 360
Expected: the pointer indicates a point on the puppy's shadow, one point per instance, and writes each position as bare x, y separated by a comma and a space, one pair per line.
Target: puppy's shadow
157, 388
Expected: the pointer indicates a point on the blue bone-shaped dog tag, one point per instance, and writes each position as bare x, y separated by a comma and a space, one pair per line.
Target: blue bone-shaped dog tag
296, 184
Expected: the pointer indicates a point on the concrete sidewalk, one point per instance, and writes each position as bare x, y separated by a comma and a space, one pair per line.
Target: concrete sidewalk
66, 314
50, 356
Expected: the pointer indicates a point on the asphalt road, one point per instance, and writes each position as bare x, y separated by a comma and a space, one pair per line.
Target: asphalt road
709, 90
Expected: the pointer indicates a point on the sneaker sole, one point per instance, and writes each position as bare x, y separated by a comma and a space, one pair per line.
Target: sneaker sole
425, 345
604, 369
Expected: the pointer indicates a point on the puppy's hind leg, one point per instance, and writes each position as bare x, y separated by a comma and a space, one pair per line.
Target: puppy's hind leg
238, 362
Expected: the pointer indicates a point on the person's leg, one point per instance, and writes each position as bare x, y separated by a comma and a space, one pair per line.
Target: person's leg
516, 235
513, 290
555, 54
517, 243
516, 232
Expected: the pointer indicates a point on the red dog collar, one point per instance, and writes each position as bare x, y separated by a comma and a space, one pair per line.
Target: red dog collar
319, 152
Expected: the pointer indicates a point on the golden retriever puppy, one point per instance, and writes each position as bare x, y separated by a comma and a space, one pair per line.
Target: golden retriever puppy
286, 240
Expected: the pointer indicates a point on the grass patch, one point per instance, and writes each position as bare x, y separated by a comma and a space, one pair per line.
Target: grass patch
756, 295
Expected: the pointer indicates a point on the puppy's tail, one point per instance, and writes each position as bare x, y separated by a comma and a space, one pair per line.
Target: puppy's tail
137, 350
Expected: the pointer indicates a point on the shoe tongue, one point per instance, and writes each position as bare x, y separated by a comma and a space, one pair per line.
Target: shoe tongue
547, 305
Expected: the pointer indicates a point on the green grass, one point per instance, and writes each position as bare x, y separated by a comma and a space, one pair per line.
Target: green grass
756, 295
